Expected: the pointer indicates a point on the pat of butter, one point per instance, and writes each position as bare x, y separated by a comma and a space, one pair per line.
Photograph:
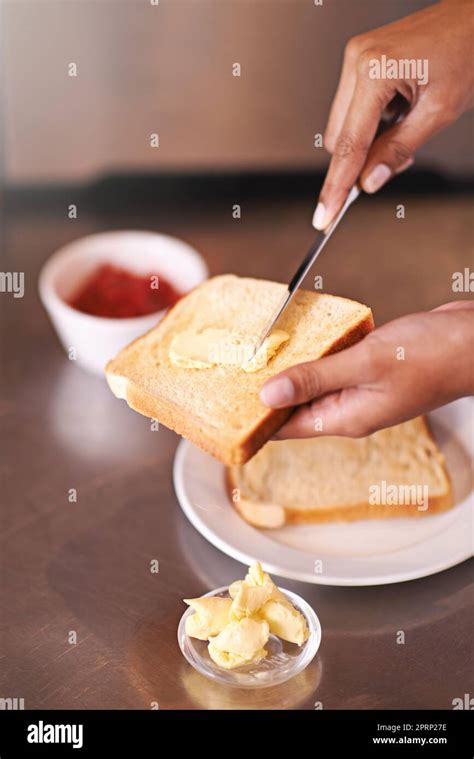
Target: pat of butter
240, 643
218, 347
267, 350
256, 576
248, 600
285, 621
210, 617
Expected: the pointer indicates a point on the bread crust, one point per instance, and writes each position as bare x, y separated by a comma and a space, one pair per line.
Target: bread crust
448, 497
173, 417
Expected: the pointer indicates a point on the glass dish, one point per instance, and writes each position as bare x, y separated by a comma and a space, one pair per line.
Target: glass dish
283, 661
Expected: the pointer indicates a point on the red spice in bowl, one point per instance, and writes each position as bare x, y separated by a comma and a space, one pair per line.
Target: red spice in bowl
116, 293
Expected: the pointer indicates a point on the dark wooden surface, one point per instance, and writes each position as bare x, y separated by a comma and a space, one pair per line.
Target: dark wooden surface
85, 566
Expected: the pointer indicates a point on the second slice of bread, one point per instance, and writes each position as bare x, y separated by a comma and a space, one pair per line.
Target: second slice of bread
218, 408
396, 472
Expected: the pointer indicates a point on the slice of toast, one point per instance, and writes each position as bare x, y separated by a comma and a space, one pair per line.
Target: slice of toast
396, 472
218, 408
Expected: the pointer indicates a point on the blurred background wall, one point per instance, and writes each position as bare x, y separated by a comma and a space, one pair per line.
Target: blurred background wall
167, 69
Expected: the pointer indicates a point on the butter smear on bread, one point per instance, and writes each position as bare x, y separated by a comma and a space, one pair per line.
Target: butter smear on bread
219, 347
239, 627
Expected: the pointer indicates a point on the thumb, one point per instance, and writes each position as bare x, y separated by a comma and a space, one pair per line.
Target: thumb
304, 382
394, 150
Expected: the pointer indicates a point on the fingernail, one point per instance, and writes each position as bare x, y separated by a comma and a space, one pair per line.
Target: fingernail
377, 177
319, 216
278, 392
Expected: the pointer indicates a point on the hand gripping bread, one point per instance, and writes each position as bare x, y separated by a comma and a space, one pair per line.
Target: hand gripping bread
392, 473
218, 408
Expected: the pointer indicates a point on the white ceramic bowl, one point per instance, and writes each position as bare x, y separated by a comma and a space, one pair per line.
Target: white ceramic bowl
97, 339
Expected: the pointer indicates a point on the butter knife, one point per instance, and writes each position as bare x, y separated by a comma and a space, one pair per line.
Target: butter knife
302, 270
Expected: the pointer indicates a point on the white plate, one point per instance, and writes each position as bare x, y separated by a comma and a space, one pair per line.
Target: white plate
369, 552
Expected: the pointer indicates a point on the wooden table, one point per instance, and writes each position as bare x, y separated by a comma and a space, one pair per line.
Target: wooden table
84, 567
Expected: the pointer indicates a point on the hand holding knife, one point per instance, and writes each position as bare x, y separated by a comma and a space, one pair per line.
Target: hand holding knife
390, 117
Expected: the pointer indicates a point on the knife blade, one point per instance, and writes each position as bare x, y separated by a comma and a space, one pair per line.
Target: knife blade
317, 246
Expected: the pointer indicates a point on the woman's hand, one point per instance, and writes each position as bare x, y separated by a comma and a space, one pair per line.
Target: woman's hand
441, 35
405, 368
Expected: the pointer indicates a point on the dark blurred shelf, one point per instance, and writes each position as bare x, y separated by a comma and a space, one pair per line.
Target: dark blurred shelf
145, 191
